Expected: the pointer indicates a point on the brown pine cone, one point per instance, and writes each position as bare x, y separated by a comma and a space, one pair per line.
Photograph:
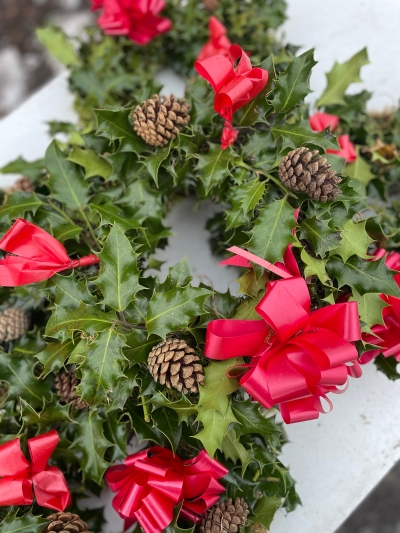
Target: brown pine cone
13, 324
65, 523
65, 384
258, 528
225, 517
306, 171
23, 184
174, 364
211, 5
158, 120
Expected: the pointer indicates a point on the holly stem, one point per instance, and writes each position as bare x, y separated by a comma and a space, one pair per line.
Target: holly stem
90, 228
145, 409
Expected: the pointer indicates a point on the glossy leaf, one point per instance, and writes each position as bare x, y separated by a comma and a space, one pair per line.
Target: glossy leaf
17, 204
250, 419
359, 170
213, 166
355, 240
116, 126
320, 235
54, 356
93, 163
265, 509
58, 45
296, 135
23, 524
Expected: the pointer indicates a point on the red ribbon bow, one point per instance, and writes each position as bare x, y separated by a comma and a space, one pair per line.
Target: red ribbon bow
137, 19
36, 255
298, 355
152, 482
233, 87
218, 43
388, 334
19, 477
321, 121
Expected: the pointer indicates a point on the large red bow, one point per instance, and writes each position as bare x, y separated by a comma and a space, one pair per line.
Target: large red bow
233, 87
218, 43
19, 477
321, 121
36, 255
152, 482
298, 356
388, 334
137, 19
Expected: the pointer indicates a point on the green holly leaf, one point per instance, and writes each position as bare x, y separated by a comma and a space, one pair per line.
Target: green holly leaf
217, 386
87, 319
251, 420
143, 430
92, 444
101, 364
265, 509
370, 307
251, 284
23, 524
31, 169
315, 267
272, 231
169, 425
387, 365
235, 451
124, 389
252, 194
215, 425
359, 170
363, 276
153, 161
146, 201
119, 273
66, 182
341, 76
116, 126
213, 166
182, 407
139, 346
299, 134
54, 356
52, 413
57, 43
247, 310
69, 292
293, 84
18, 373
355, 240
93, 163
17, 204
320, 235
111, 214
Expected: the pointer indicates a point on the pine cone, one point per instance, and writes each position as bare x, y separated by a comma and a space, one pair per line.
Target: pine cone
258, 528
306, 171
174, 364
23, 184
65, 384
158, 121
211, 5
65, 523
225, 517
13, 324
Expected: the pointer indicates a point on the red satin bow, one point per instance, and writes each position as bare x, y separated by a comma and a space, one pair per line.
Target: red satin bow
19, 478
298, 355
388, 334
36, 255
152, 482
321, 121
233, 88
137, 19
218, 43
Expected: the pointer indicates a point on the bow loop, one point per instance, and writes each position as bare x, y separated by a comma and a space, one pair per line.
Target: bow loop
12, 460
41, 448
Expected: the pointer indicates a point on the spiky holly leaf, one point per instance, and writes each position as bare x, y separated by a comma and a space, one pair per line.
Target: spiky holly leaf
143, 430
101, 365
58, 44
215, 425
364, 276
213, 167
51, 413
320, 235
252, 194
66, 183
153, 161
265, 509
315, 267
54, 356
117, 432
235, 215
168, 424
388, 365
359, 170
340, 77
139, 346
92, 444
93, 163
249, 416
119, 273
31, 169
355, 240
124, 389
293, 84
251, 284
370, 307
178, 276
69, 292
17, 204
247, 310
18, 373
145, 200
182, 407
272, 231
23, 524
235, 451
111, 214
115, 126
299, 134
86, 318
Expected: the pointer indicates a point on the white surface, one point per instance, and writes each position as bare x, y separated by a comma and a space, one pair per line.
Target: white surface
338, 29
336, 460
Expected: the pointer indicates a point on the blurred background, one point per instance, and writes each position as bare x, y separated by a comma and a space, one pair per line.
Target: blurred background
336, 29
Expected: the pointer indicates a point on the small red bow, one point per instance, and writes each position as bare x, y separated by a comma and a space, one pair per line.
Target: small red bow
218, 43
36, 255
233, 88
152, 482
388, 333
298, 356
19, 477
137, 19
321, 121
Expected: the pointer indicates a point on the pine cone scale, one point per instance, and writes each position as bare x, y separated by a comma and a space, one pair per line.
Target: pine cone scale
65, 523
13, 324
225, 517
65, 384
